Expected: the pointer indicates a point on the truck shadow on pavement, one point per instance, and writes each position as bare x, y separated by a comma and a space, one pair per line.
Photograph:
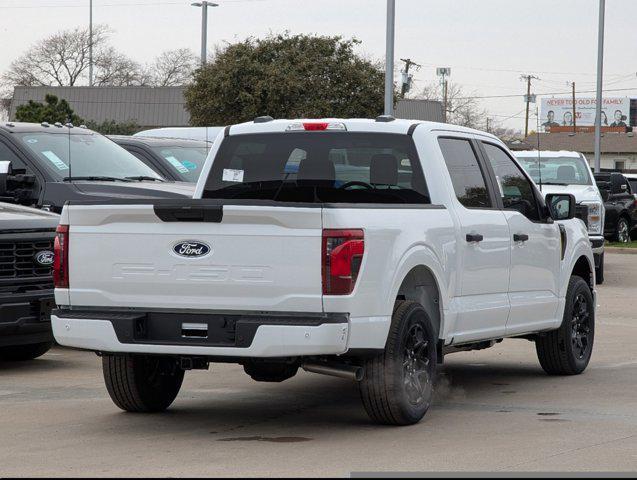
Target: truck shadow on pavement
281, 413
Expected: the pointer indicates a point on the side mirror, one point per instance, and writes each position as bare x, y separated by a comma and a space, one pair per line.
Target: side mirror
561, 206
617, 183
605, 193
5, 171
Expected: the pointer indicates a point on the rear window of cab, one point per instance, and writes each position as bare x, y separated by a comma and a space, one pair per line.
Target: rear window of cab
318, 167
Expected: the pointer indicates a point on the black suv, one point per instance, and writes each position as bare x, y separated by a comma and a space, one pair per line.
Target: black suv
51, 164
26, 284
620, 205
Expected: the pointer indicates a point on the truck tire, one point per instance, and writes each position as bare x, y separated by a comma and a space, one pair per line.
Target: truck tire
270, 371
599, 271
622, 230
397, 388
19, 353
142, 383
567, 350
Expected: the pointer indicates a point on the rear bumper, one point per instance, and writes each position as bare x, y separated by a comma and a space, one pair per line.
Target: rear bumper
25, 318
226, 335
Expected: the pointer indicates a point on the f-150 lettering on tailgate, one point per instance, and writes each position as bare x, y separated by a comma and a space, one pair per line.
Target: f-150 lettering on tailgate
196, 273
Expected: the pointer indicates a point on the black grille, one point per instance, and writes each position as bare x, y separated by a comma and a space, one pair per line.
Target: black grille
17, 259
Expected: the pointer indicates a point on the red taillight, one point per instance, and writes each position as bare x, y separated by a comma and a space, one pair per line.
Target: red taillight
61, 259
315, 126
342, 254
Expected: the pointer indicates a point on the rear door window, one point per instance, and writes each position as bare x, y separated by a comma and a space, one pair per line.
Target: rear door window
333, 167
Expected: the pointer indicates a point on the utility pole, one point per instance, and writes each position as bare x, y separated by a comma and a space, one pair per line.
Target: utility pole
204, 27
443, 73
487, 129
90, 44
600, 68
406, 80
445, 98
574, 110
389, 57
528, 99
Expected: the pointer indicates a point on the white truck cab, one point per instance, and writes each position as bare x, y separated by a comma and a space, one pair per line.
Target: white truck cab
570, 172
366, 249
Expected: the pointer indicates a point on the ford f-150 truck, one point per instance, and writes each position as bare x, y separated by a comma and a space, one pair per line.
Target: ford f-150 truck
365, 249
26, 283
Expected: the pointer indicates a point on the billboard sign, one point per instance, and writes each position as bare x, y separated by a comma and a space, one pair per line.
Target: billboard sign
558, 112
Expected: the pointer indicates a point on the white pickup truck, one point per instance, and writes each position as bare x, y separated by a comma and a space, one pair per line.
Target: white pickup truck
366, 249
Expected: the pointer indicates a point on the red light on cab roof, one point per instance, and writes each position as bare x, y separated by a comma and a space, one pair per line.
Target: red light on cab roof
313, 126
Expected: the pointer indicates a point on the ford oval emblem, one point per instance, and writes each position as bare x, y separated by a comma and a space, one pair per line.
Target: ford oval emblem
191, 249
44, 258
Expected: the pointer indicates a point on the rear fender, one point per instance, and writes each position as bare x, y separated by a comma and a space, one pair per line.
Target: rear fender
423, 256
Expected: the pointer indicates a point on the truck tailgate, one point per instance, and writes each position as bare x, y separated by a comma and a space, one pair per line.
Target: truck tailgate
255, 258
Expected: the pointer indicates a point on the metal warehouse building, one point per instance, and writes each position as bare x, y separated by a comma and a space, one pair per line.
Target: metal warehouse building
147, 106
161, 106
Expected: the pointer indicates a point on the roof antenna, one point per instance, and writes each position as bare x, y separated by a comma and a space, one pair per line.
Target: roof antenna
537, 135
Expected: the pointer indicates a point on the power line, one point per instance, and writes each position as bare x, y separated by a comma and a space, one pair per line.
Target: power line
511, 70
129, 4
545, 94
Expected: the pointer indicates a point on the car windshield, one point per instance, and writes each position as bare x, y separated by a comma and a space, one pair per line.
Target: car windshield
318, 167
92, 156
185, 161
557, 170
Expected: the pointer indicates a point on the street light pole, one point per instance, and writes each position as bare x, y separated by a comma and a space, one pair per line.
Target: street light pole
389, 58
204, 27
90, 44
600, 67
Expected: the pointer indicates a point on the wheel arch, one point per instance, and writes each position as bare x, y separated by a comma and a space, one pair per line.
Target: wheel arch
420, 278
584, 269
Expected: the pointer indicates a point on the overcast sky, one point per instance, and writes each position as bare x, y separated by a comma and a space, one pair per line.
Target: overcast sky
487, 43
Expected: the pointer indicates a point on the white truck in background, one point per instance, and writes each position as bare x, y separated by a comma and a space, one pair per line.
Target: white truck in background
569, 172
366, 249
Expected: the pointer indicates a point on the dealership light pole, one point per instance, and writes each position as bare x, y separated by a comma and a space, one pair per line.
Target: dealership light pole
90, 44
600, 67
389, 58
204, 27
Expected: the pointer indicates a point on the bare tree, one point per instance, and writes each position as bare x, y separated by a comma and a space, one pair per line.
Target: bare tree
462, 108
61, 59
116, 69
506, 134
173, 68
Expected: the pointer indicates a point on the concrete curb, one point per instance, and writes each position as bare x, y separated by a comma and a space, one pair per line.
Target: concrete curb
624, 250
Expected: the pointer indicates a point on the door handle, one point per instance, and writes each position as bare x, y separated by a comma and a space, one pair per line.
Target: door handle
474, 237
520, 237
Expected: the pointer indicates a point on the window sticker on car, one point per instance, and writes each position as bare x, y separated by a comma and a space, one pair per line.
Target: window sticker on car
189, 165
230, 175
55, 160
177, 164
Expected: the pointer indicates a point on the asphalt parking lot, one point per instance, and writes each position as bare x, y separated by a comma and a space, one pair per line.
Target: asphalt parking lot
496, 410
